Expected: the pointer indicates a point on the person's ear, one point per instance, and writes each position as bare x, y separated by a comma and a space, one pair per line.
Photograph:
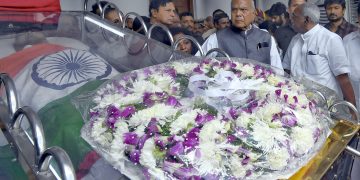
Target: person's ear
306, 20
154, 12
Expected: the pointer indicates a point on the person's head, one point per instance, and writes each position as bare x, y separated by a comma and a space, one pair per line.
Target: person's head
243, 13
129, 23
185, 45
305, 17
335, 9
162, 11
137, 26
208, 22
216, 12
292, 4
278, 14
269, 26
221, 21
95, 7
187, 20
112, 15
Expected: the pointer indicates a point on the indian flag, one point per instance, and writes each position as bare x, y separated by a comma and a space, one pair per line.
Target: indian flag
47, 77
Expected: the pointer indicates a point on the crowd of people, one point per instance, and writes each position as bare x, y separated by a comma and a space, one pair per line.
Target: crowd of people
289, 38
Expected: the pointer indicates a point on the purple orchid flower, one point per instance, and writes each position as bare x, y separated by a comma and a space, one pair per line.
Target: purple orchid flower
185, 173
233, 113
147, 100
142, 141
172, 101
94, 114
128, 111
135, 156
177, 149
278, 92
286, 97
131, 138
245, 161
171, 72
202, 119
316, 134
231, 138
192, 139
198, 70
152, 127
288, 121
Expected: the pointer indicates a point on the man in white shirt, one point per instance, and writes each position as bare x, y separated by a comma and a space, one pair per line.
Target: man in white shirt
243, 39
352, 47
318, 54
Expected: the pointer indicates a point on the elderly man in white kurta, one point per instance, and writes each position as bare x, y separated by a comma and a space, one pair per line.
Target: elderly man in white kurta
352, 47
318, 54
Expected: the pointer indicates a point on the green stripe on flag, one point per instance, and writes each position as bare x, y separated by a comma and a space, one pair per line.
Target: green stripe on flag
62, 124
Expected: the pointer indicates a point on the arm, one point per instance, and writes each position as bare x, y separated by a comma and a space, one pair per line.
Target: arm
346, 88
275, 59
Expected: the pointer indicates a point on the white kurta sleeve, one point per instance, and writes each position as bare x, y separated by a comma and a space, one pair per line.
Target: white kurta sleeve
210, 43
338, 61
275, 59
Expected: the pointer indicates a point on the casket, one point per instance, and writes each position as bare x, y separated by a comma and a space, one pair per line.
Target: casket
50, 71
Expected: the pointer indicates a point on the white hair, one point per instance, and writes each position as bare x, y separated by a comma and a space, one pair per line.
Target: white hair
312, 11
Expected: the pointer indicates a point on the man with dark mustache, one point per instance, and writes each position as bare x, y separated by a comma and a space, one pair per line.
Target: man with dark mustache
335, 10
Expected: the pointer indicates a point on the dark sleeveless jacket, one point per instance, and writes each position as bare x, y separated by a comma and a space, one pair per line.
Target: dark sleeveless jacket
254, 44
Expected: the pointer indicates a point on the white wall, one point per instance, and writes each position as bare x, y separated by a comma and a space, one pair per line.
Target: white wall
204, 8
138, 6
266, 4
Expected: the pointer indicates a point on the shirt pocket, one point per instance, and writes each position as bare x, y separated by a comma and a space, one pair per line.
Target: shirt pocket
316, 64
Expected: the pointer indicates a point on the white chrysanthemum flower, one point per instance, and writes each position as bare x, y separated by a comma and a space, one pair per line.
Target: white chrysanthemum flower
237, 169
161, 80
117, 146
184, 68
210, 160
183, 121
118, 100
210, 130
239, 66
121, 127
302, 140
278, 158
140, 130
148, 160
267, 137
158, 111
304, 117
140, 87
303, 100
266, 113
247, 70
274, 80
244, 119
100, 134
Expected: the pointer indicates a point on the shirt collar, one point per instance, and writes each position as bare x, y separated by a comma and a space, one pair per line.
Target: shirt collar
311, 32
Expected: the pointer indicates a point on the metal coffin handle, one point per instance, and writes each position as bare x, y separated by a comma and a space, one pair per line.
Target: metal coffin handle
322, 97
143, 24
349, 105
218, 50
11, 94
121, 16
97, 2
349, 149
167, 31
36, 128
61, 158
108, 5
190, 38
